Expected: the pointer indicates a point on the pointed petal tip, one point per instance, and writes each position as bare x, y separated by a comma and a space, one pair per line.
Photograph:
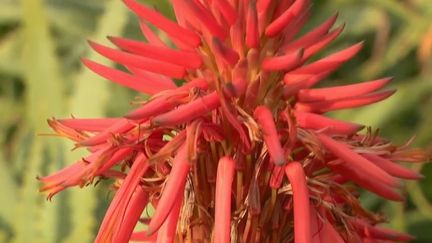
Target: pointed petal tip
111, 38
85, 61
93, 44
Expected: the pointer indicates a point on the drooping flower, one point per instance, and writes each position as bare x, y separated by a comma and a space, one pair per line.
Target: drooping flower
242, 151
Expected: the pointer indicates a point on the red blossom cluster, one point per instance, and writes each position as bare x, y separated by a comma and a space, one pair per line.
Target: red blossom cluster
242, 151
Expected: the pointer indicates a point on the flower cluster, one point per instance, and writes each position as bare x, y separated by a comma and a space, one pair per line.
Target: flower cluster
241, 151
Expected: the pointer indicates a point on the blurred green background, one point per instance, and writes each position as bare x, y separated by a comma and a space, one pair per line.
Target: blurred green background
42, 41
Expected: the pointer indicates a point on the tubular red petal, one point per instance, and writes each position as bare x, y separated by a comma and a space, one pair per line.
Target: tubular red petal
163, 103
265, 120
343, 152
182, 34
329, 233
278, 25
118, 156
151, 37
232, 119
195, 9
330, 63
168, 69
167, 102
239, 84
392, 168
252, 31
167, 232
126, 79
311, 37
121, 126
187, 112
276, 177
340, 92
152, 77
251, 93
296, 82
262, 5
316, 225
328, 125
322, 43
66, 177
230, 56
118, 207
227, 10
170, 147
285, 63
73, 174
365, 180
293, 29
175, 184
281, 7
322, 230
237, 32
200, 83
152, 108
143, 237
346, 103
66, 131
186, 59
133, 213
302, 224
375, 232
224, 180
90, 125
60, 176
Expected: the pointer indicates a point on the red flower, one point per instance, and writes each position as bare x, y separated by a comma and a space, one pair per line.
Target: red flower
242, 151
